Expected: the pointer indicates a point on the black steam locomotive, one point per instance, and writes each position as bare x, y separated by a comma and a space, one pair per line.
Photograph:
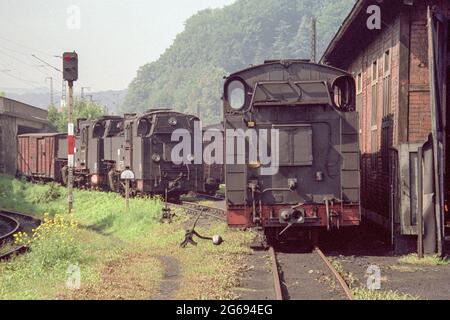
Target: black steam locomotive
107, 146
306, 173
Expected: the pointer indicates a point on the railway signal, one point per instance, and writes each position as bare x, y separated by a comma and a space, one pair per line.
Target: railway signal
70, 66
70, 74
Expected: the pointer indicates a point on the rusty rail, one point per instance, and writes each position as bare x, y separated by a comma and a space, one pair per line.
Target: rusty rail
18, 218
276, 275
337, 275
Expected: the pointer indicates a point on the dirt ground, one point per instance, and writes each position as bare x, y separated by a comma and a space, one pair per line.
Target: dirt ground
424, 282
308, 280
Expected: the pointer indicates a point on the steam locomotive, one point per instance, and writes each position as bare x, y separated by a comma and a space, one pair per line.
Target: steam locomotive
107, 146
302, 175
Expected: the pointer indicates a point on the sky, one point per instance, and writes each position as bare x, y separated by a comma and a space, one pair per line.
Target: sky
113, 38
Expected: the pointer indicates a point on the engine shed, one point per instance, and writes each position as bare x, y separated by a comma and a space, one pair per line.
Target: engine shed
401, 73
18, 118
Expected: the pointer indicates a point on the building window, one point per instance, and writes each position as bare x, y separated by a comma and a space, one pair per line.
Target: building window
387, 85
374, 71
374, 103
359, 83
374, 128
386, 96
387, 62
386, 133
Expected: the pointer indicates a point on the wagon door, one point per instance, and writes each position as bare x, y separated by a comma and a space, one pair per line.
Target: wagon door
33, 158
44, 157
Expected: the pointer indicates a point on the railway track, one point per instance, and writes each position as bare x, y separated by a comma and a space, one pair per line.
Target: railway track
8, 226
10, 223
196, 208
211, 197
295, 276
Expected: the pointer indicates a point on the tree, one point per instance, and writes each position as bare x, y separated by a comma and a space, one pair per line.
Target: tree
282, 40
82, 110
2, 94
217, 42
301, 44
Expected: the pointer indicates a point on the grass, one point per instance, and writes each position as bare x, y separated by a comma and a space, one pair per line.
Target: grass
366, 294
361, 293
119, 253
428, 260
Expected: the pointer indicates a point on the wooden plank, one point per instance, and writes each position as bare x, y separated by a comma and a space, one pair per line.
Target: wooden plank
403, 96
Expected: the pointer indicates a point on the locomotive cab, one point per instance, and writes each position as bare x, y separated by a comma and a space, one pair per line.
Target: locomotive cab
146, 149
91, 163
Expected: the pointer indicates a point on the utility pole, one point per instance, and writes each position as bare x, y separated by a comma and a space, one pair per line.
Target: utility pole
82, 91
51, 90
313, 39
63, 101
63, 94
70, 74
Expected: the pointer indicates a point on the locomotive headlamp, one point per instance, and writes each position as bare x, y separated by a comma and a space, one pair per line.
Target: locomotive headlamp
255, 165
172, 121
156, 157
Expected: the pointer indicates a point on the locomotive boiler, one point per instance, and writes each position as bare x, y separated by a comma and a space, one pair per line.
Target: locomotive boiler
305, 177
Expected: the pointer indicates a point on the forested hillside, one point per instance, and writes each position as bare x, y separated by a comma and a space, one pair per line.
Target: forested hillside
189, 75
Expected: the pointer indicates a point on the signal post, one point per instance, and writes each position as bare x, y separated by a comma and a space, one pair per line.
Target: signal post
70, 74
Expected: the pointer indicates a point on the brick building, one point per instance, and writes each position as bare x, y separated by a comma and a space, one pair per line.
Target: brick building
18, 118
400, 112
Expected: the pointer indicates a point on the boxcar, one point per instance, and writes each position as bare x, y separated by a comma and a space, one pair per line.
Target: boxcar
42, 155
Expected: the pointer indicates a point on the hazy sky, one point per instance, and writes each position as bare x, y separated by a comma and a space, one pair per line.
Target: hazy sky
112, 37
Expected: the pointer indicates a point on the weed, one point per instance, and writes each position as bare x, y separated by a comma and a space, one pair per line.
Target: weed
366, 294
428, 260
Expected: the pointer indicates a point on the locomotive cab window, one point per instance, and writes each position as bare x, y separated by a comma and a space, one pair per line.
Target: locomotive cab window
98, 130
143, 127
236, 94
343, 91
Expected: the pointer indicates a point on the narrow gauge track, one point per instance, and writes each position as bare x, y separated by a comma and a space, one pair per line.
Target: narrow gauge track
10, 223
196, 208
210, 197
294, 275
8, 226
